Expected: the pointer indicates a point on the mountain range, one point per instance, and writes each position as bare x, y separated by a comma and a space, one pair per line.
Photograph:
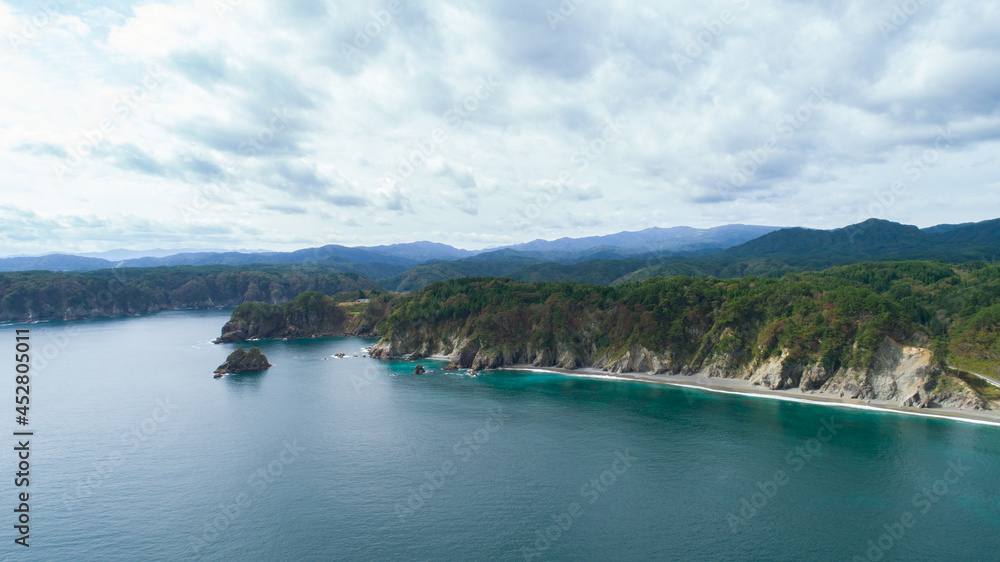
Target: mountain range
664, 240
723, 252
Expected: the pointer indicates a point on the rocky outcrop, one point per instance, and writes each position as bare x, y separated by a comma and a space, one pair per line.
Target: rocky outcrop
241, 361
309, 315
419, 370
898, 375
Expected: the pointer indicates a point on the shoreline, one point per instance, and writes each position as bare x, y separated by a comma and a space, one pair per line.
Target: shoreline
741, 387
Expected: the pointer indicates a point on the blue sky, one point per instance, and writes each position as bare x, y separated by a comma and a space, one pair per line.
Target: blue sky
280, 125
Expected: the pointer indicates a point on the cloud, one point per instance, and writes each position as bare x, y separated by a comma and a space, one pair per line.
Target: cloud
305, 181
43, 149
261, 115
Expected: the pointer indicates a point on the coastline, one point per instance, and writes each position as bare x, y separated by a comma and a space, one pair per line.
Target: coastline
741, 387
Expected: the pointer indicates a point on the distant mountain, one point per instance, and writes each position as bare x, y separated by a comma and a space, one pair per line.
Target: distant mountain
945, 227
983, 234
119, 254
725, 251
499, 263
869, 239
401, 256
53, 262
771, 255
325, 254
395, 258
875, 239
677, 239
421, 251
313, 258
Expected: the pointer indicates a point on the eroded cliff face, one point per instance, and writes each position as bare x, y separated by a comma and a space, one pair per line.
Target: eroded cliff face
901, 375
310, 315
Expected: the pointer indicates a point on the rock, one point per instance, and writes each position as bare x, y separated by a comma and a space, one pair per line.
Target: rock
419, 370
920, 399
485, 360
465, 355
241, 361
567, 360
815, 377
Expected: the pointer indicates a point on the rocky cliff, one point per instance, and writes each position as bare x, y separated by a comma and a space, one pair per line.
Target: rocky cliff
902, 375
309, 315
241, 361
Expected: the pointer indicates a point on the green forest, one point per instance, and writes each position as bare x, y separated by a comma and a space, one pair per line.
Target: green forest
837, 317
46, 295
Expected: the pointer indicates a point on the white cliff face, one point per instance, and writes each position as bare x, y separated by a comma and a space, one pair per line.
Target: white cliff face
774, 373
906, 376
637, 359
901, 375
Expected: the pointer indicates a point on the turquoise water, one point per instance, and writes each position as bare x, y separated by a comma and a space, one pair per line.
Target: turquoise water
140, 454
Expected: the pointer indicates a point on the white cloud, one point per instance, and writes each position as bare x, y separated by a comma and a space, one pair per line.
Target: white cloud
260, 129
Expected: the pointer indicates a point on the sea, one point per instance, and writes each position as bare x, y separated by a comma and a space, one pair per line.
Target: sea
137, 453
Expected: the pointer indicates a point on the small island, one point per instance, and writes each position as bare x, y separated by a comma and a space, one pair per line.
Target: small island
241, 361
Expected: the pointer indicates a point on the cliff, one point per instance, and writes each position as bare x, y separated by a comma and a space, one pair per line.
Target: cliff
241, 361
871, 332
903, 375
309, 315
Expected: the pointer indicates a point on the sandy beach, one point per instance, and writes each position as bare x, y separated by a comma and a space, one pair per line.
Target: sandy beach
744, 388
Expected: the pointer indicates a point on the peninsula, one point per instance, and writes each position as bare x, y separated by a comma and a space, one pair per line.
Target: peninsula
870, 332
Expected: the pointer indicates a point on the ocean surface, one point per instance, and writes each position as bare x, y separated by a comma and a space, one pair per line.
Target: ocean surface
139, 454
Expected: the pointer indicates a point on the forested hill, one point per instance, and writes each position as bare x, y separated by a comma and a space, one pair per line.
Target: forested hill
834, 329
771, 255
37, 295
876, 239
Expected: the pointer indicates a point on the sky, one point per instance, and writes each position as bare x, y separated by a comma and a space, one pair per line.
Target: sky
283, 125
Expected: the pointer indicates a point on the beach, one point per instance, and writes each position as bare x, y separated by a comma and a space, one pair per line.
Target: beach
745, 388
